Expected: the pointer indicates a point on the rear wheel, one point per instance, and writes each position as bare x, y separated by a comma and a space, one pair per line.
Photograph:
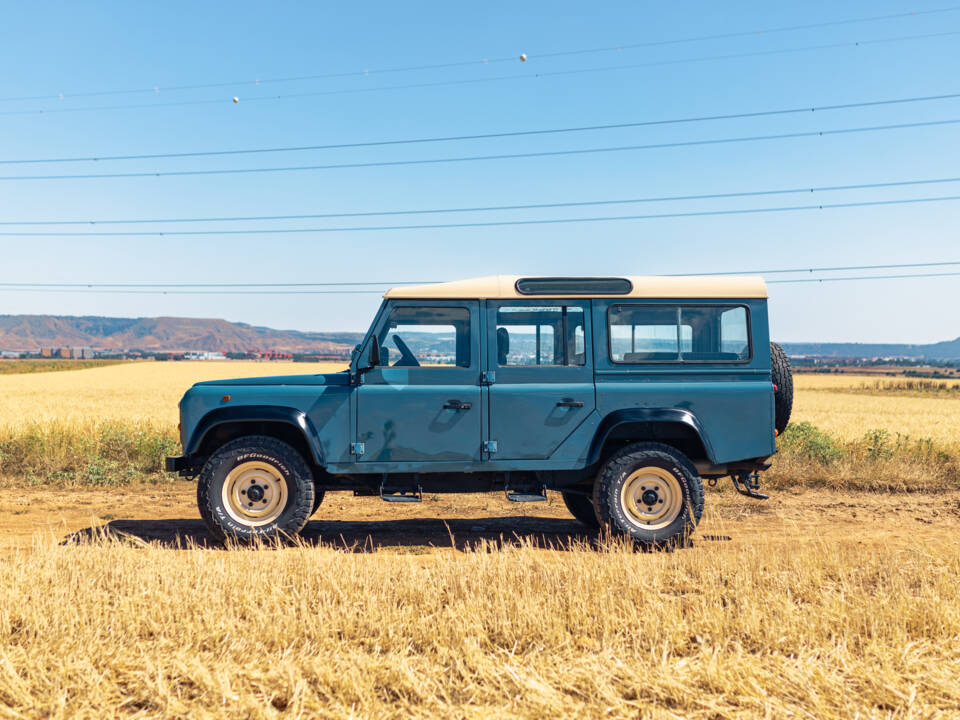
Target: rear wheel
255, 486
581, 507
317, 499
651, 493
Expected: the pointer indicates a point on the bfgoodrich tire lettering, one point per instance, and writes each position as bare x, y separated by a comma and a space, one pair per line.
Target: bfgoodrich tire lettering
650, 492
284, 496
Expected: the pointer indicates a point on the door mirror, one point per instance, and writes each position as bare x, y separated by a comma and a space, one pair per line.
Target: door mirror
373, 357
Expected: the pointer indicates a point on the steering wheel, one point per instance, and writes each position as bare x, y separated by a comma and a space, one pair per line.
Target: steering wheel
407, 358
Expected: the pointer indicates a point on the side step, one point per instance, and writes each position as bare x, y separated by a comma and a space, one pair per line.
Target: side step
526, 495
400, 493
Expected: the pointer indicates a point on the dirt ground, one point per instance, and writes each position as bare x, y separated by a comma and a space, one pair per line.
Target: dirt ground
168, 515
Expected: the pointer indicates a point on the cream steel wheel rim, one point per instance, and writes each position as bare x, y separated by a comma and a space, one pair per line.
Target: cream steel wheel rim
652, 498
255, 493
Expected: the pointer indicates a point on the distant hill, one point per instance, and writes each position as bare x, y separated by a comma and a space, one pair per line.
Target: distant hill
172, 334
166, 334
947, 350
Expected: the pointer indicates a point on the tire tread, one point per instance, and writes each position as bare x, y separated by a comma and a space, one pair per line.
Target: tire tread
303, 499
628, 457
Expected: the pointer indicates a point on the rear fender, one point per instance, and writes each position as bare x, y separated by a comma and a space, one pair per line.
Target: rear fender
619, 418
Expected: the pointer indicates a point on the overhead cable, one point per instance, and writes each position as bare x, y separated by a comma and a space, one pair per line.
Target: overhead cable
501, 156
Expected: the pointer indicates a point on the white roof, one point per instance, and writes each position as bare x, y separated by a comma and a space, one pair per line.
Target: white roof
651, 286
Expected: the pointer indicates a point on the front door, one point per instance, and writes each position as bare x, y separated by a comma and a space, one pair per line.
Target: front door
540, 354
422, 404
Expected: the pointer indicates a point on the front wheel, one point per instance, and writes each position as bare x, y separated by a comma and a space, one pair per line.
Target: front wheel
650, 492
255, 486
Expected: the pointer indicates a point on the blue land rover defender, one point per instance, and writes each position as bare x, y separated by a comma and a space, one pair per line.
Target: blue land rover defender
621, 393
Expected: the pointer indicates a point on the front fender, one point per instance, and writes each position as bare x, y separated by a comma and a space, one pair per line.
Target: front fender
634, 415
255, 414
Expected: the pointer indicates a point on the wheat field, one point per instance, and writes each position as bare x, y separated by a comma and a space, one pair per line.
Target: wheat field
148, 392
849, 415
135, 392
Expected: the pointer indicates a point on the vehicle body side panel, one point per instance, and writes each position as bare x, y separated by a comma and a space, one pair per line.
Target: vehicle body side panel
732, 402
525, 419
325, 409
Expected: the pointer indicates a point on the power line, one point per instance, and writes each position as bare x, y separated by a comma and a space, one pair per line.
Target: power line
471, 81
395, 283
84, 291
491, 208
502, 156
492, 223
487, 136
867, 277
486, 61
211, 285
840, 268
80, 291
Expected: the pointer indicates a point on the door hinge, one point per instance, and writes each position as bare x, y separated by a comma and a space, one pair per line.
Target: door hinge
356, 448
488, 377
490, 446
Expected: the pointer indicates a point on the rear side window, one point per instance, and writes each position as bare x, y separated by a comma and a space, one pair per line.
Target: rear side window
641, 333
678, 333
714, 334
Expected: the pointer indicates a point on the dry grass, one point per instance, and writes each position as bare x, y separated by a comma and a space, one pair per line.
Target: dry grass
19, 367
835, 404
113, 425
791, 628
146, 393
141, 392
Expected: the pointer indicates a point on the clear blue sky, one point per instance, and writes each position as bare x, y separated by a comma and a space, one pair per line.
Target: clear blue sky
52, 47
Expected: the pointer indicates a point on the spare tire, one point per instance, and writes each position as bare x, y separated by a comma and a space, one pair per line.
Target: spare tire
783, 384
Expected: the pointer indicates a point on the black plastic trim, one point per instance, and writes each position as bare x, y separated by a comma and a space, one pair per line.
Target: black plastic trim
175, 464
574, 286
254, 414
634, 415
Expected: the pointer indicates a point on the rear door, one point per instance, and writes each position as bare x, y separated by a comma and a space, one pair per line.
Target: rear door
540, 374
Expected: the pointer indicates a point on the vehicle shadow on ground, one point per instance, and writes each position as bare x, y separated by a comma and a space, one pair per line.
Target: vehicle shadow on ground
368, 536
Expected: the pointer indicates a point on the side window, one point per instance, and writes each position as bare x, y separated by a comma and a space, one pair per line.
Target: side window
665, 333
426, 337
529, 335
714, 334
641, 333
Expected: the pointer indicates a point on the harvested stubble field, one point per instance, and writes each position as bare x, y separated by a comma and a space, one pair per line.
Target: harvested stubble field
816, 604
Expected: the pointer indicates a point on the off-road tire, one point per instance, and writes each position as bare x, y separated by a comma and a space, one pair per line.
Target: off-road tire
317, 499
607, 493
581, 507
783, 378
255, 448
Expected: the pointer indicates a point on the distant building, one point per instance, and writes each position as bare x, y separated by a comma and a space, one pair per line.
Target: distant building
47, 352
204, 356
82, 353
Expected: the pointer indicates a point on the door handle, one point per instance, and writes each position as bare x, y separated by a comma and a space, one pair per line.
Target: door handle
570, 403
456, 405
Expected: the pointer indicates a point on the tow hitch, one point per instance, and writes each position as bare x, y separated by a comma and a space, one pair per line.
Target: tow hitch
748, 483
